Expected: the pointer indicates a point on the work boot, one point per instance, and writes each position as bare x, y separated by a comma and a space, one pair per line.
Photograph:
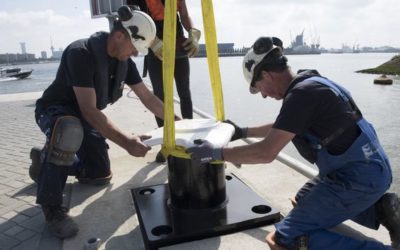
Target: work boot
388, 213
36, 165
160, 157
60, 224
99, 181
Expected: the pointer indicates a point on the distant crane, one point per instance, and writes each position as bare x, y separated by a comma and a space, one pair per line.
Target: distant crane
356, 46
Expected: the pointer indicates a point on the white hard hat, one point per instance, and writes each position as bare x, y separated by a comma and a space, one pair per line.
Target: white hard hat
140, 27
260, 50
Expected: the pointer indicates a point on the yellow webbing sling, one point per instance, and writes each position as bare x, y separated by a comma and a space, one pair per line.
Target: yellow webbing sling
169, 39
210, 35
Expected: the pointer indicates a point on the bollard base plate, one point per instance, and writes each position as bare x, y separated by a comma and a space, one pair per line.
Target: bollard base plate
162, 225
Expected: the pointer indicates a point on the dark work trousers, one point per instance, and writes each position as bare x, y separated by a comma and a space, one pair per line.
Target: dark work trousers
91, 160
182, 81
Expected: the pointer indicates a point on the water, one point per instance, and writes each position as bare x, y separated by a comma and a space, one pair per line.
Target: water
43, 74
379, 104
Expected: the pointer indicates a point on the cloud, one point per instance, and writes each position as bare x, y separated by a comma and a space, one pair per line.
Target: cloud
334, 22
38, 28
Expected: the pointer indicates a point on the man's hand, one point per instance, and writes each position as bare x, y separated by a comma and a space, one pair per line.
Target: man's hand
240, 133
191, 45
270, 238
157, 48
135, 147
204, 153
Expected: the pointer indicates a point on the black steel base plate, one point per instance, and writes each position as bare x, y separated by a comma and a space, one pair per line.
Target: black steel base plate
162, 225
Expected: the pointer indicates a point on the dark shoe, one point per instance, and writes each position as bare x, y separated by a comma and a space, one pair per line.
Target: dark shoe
160, 157
388, 213
34, 169
100, 181
60, 224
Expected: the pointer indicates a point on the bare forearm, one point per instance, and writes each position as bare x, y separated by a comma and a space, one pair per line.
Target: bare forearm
259, 132
184, 15
155, 105
149, 100
264, 151
247, 154
99, 121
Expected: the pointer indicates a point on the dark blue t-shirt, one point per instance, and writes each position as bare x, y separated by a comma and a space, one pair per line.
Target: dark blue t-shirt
314, 108
77, 69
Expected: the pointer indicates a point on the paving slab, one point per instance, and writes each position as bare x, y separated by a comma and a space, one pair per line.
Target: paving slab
108, 212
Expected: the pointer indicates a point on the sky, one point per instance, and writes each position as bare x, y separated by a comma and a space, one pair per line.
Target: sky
372, 23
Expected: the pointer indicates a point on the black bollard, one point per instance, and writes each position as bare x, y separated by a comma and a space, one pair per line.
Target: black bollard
196, 203
196, 187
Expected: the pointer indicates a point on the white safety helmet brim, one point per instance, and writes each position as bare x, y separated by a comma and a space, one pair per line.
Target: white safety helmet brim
141, 29
250, 61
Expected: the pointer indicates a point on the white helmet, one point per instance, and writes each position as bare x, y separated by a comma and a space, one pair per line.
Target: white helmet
140, 27
261, 48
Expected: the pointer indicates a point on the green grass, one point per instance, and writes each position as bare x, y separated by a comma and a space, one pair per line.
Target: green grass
391, 67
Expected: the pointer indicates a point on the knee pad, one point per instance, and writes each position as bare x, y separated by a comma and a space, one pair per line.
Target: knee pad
65, 141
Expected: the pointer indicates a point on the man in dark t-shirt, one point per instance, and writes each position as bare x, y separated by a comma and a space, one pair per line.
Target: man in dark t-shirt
322, 120
91, 75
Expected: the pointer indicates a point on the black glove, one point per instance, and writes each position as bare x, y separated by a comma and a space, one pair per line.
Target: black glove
204, 153
239, 132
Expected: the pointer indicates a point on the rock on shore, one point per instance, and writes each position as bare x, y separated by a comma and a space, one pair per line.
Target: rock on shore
392, 67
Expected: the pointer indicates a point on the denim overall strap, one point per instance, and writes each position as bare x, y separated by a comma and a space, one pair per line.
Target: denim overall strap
350, 185
366, 148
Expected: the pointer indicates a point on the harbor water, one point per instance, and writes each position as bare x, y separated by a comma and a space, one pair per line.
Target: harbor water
379, 104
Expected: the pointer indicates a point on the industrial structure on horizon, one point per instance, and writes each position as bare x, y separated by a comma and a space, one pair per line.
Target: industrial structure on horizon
224, 49
299, 47
24, 57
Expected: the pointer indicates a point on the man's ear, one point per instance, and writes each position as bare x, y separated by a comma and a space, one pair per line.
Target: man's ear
266, 74
119, 35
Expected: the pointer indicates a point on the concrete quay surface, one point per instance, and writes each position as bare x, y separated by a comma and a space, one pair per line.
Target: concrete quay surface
107, 212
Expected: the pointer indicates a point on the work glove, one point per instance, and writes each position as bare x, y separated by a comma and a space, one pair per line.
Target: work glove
204, 152
240, 133
191, 45
157, 47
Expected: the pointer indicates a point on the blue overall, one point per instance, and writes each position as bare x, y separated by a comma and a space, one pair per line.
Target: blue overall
59, 100
91, 159
347, 187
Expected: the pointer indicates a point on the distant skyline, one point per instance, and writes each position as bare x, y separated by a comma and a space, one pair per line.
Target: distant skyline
372, 23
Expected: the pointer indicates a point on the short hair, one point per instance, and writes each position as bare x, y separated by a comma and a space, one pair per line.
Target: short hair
275, 61
117, 26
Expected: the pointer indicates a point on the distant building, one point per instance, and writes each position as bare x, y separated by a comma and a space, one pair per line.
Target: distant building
23, 47
56, 54
9, 58
43, 54
224, 49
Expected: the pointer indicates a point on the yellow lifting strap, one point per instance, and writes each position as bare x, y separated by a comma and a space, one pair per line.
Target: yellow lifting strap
169, 39
210, 35
168, 67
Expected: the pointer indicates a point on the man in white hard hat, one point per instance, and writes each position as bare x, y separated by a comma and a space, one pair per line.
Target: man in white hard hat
322, 120
91, 75
185, 49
